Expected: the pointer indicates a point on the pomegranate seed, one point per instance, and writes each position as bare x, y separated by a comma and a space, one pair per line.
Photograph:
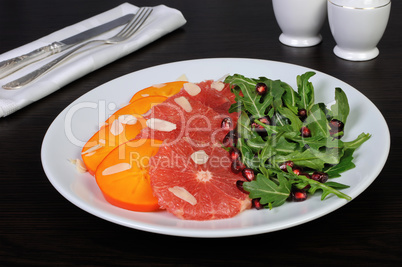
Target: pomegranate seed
298, 195
237, 166
239, 185
284, 165
297, 170
302, 113
234, 153
336, 126
321, 177
305, 132
230, 139
261, 88
248, 174
257, 204
259, 128
266, 120
227, 123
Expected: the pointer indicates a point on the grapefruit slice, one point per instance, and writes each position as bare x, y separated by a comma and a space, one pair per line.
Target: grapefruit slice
196, 184
189, 118
123, 176
213, 94
164, 89
124, 125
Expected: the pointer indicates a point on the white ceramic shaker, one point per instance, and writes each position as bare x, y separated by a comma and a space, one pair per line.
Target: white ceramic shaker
300, 21
357, 27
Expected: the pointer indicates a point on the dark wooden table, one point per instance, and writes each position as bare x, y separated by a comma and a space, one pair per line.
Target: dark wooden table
39, 227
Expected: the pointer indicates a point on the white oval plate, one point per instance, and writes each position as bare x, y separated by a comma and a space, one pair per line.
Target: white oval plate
80, 120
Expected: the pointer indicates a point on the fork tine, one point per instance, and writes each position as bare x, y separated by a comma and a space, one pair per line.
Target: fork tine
140, 17
145, 16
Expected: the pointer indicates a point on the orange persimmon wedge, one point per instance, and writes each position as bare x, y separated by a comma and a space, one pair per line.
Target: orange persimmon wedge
124, 125
165, 89
123, 175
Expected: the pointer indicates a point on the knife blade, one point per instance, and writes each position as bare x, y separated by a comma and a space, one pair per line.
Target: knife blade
11, 65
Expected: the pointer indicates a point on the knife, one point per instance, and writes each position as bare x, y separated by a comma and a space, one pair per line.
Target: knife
11, 65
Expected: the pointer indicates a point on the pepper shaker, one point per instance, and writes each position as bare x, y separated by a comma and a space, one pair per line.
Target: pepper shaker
357, 27
300, 21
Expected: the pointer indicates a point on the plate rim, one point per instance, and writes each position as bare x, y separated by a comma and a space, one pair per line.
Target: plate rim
207, 233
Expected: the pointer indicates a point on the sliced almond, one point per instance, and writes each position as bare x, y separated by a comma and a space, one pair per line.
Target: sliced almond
79, 165
92, 149
182, 77
127, 119
218, 86
183, 194
199, 157
161, 125
192, 89
183, 102
119, 167
117, 127
89, 154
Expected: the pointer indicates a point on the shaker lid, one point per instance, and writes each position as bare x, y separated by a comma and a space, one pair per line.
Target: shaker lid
360, 3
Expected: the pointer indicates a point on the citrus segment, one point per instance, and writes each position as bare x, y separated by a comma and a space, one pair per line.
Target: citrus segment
124, 125
194, 191
199, 124
123, 175
164, 89
213, 94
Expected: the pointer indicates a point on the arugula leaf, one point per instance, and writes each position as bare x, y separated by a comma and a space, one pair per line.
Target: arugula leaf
302, 181
283, 146
317, 122
329, 155
268, 191
283, 142
295, 121
344, 164
340, 110
315, 142
243, 126
363, 137
250, 100
306, 90
290, 98
336, 185
272, 129
301, 159
275, 91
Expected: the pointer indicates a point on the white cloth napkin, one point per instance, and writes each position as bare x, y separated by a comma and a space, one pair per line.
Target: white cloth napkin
162, 20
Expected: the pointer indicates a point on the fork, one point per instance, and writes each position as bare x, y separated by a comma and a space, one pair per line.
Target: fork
128, 31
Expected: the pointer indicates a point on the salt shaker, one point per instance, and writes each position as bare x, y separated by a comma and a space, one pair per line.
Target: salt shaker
300, 21
357, 27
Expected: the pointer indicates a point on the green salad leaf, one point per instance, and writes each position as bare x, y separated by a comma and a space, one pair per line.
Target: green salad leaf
269, 192
282, 141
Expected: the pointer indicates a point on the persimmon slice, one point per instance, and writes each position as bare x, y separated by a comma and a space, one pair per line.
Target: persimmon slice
165, 89
124, 125
123, 175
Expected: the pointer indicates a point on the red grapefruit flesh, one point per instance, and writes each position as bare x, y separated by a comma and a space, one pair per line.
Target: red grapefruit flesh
216, 95
196, 191
198, 119
201, 125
